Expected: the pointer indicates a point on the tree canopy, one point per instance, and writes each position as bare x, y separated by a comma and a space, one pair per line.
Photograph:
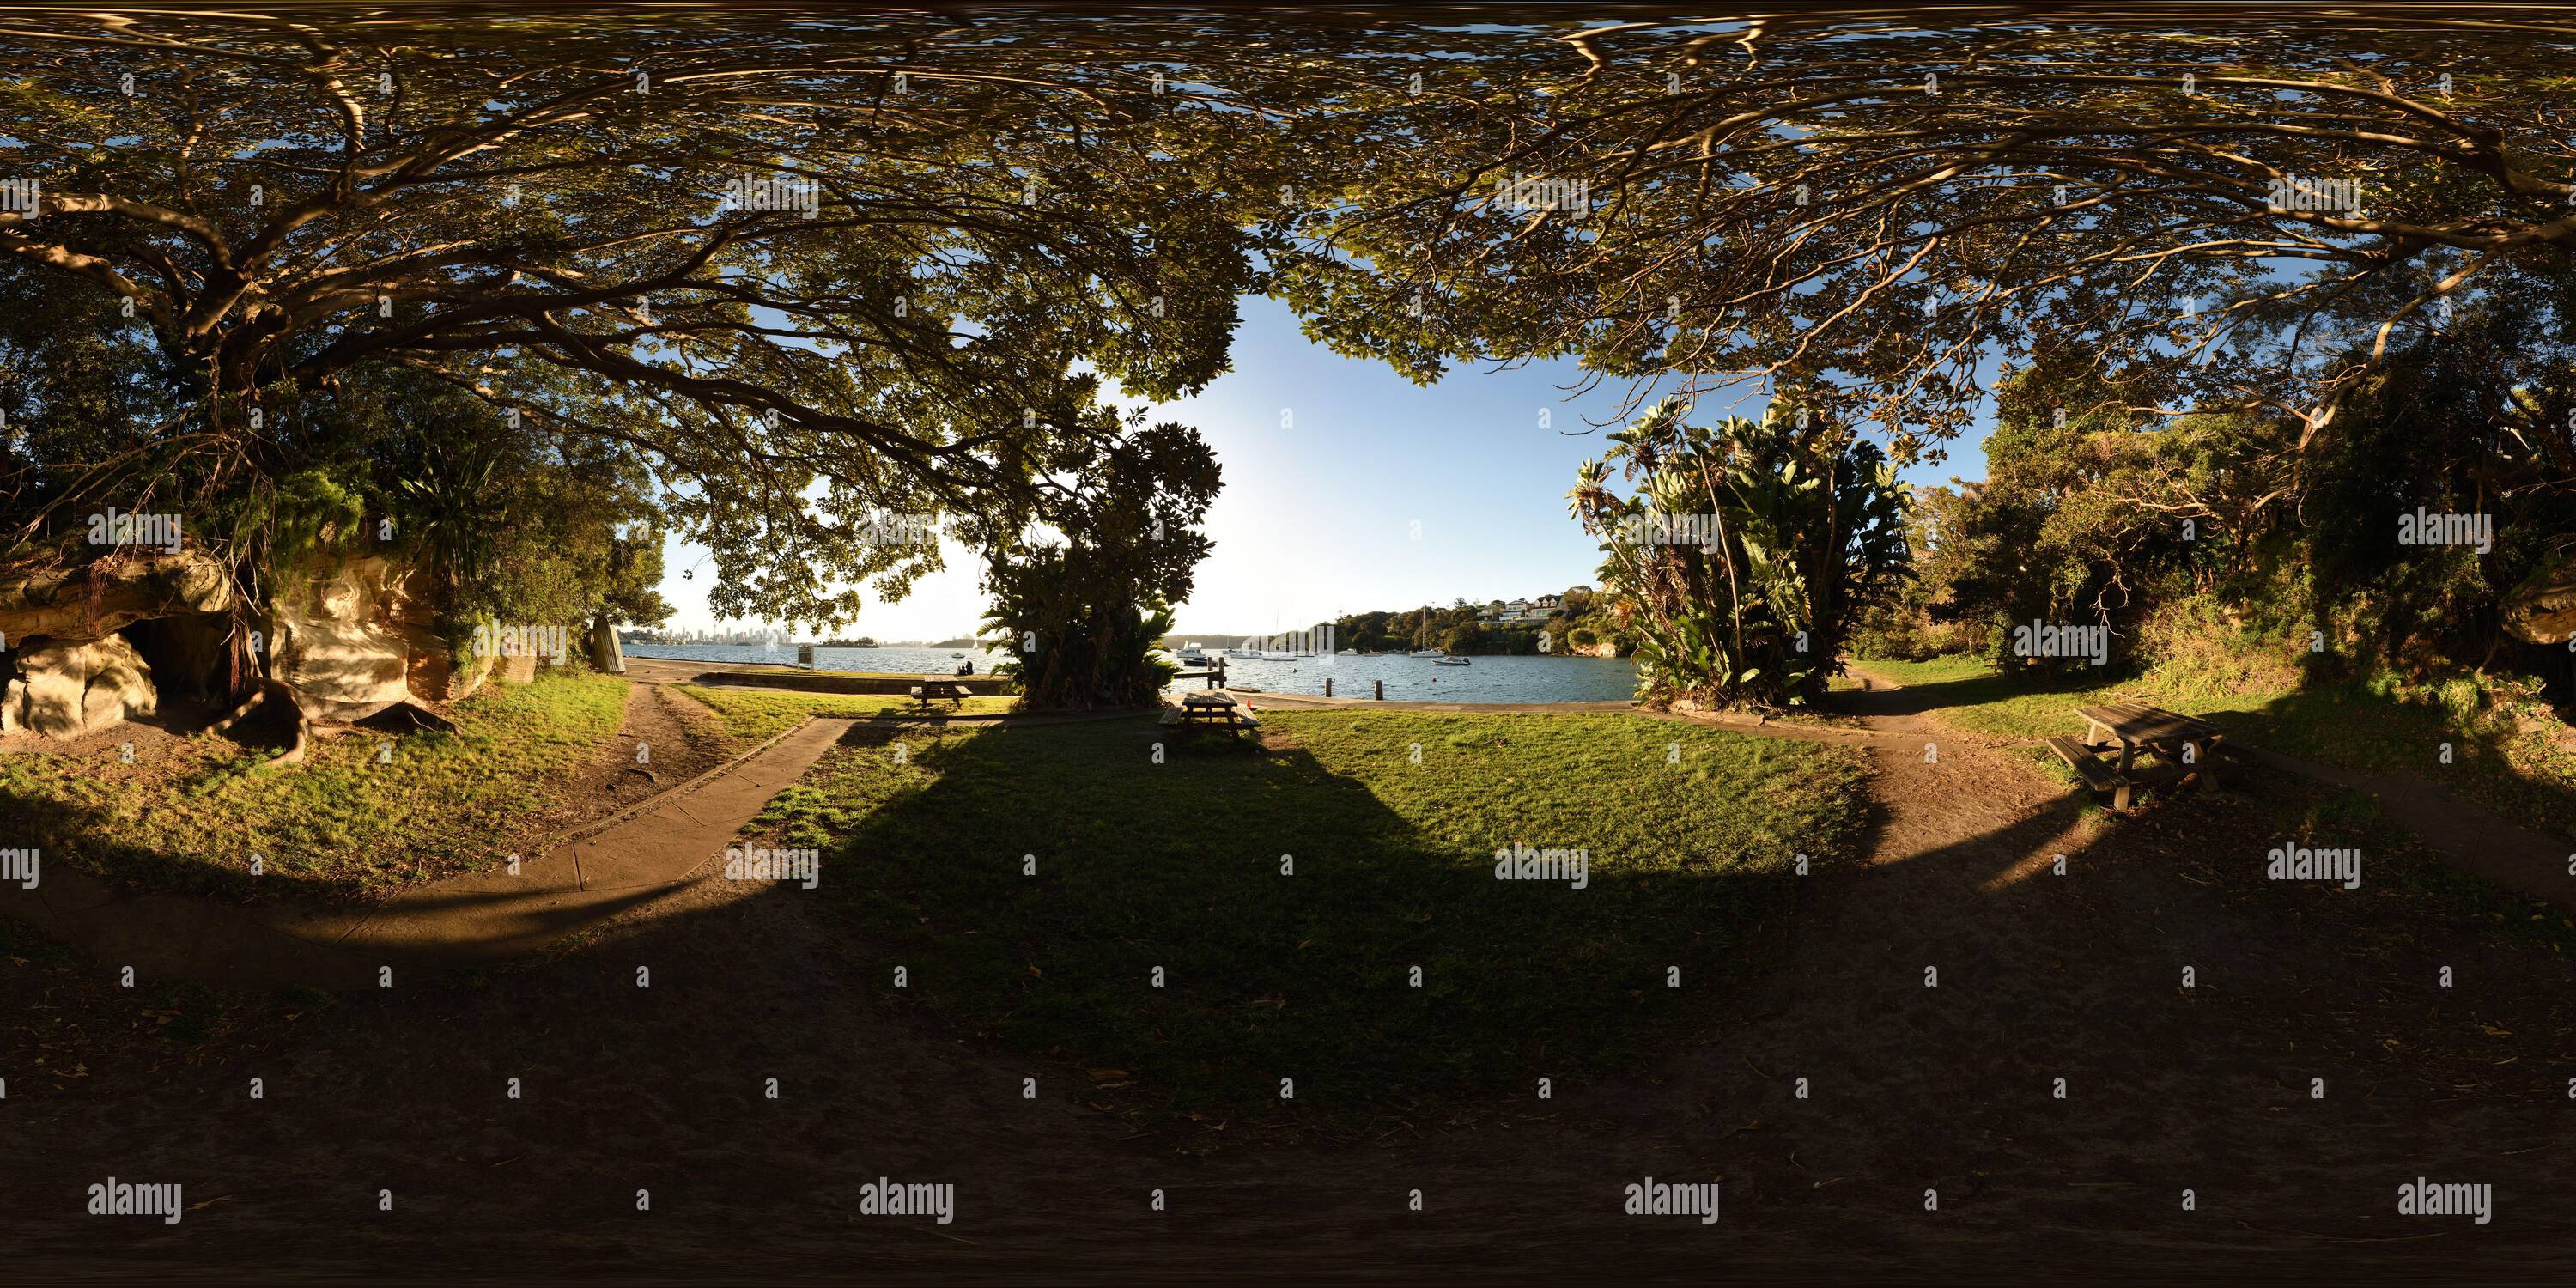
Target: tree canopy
1873, 211
804, 274
787, 274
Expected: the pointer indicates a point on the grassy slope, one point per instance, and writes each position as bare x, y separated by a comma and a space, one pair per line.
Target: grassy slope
1307, 975
2375, 726
345, 823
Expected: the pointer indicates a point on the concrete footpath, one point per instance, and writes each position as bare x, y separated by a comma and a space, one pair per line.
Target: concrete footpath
584, 879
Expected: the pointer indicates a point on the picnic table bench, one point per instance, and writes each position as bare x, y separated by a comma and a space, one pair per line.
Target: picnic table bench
930, 691
1210, 711
2183, 746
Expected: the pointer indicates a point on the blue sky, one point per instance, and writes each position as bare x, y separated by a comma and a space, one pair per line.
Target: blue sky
1346, 489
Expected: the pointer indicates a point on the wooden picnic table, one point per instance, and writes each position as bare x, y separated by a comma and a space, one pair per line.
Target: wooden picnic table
2183, 744
1216, 710
930, 691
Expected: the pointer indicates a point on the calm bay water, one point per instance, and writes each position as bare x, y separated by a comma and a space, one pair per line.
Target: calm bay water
1490, 679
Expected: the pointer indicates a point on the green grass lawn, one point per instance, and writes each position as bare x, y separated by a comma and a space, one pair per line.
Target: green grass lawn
2376, 726
352, 822
748, 717
1288, 895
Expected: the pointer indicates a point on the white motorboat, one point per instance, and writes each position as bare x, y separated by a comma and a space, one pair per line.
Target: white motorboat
1426, 652
1453, 660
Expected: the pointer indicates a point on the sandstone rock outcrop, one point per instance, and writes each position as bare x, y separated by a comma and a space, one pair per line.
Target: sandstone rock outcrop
2542, 610
346, 637
66, 688
71, 672
102, 598
346, 630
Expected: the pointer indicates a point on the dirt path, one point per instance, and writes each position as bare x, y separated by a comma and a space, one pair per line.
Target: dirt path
668, 738
1911, 1089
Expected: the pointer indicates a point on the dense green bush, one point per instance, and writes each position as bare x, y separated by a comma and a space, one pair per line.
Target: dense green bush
2236, 549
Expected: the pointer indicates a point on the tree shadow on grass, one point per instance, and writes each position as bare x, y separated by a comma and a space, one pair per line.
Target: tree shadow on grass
1285, 906
2345, 726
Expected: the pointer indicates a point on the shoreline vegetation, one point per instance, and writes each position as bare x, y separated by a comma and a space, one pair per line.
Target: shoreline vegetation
1571, 624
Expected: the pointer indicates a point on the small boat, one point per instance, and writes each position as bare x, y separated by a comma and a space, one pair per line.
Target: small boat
1348, 652
1426, 652
1194, 656
1453, 660
956, 655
